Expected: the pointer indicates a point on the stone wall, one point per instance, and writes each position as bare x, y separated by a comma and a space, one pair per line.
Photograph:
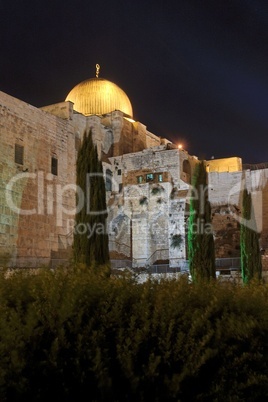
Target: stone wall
41, 221
34, 203
154, 210
226, 231
146, 220
233, 164
225, 195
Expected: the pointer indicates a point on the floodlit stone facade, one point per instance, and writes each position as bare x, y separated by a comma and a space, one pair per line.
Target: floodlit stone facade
148, 215
147, 181
37, 200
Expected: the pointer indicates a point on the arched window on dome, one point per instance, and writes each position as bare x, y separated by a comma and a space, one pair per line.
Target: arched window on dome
186, 171
108, 179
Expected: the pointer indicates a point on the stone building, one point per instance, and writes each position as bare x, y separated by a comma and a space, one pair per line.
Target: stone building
147, 182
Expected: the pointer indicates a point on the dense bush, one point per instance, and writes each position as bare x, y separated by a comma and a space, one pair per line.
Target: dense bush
65, 334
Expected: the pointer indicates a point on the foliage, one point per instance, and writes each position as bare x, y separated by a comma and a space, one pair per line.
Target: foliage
157, 190
251, 263
201, 252
176, 241
69, 333
143, 200
173, 192
91, 243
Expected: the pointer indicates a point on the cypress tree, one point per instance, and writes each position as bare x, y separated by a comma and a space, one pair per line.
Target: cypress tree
90, 237
201, 252
251, 264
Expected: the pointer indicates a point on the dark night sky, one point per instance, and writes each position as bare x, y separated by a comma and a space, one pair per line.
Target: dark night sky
196, 71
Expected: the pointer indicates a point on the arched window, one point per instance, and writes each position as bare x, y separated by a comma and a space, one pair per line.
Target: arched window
108, 180
186, 171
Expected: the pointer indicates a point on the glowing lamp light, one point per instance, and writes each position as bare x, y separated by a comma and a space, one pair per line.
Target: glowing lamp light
180, 146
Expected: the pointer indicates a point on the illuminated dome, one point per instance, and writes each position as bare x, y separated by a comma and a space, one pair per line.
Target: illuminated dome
99, 96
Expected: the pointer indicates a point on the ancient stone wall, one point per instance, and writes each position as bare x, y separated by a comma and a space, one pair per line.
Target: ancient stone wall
35, 203
62, 109
146, 218
226, 231
154, 211
233, 164
264, 237
225, 195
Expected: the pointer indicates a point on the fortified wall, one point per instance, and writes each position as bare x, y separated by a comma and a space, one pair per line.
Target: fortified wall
147, 218
38, 173
147, 184
37, 163
226, 184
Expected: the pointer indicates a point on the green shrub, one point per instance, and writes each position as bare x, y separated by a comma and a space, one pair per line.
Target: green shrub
69, 333
157, 190
176, 241
143, 200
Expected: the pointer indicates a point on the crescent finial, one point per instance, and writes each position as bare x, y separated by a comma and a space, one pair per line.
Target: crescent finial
97, 70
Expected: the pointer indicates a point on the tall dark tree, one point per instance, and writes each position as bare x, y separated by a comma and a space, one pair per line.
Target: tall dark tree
251, 263
201, 252
90, 237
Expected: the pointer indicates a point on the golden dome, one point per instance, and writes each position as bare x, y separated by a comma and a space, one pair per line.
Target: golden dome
99, 96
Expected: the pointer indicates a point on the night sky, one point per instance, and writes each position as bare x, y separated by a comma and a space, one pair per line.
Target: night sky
196, 71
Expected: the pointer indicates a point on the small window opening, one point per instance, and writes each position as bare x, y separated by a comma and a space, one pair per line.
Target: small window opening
54, 166
108, 180
160, 177
19, 154
150, 177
